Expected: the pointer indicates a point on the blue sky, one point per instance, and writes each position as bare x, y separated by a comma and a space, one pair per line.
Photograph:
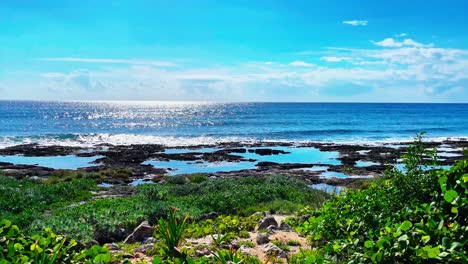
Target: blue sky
323, 50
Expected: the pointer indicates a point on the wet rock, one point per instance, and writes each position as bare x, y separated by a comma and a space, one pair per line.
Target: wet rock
262, 238
266, 222
265, 152
235, 150
35, 150
140, 233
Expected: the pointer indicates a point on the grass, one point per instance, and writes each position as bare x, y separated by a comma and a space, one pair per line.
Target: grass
34, 205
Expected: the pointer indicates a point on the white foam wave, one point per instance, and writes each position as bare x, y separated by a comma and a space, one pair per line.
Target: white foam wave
91, 140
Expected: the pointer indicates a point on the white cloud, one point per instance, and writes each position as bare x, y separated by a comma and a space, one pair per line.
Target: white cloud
301, 64
356, 22
392, 43
112, 61
401, 35
335, 59
404, 71
80, 80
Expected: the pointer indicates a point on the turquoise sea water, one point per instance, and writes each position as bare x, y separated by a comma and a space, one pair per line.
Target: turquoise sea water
185, 124
190, 124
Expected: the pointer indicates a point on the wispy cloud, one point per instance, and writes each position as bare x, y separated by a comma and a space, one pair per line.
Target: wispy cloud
301, 64
392, 43
334, 58
356, 22
393, 70
401, 35
112, 61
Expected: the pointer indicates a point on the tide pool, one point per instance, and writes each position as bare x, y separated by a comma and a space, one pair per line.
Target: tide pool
69, 162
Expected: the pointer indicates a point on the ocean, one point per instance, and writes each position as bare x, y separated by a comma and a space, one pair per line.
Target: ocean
192, 123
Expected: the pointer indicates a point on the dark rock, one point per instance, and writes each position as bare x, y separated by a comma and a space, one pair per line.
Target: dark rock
271, 229
212, 215
113, 246
144, 248
285, 227
266, 222
264, 152
245, 250
149, 240
140, 233
272, 250
262, 238
304, 218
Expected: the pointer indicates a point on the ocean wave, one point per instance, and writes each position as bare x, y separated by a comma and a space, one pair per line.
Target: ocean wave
91, 140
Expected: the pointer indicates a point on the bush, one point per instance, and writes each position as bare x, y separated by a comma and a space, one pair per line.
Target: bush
394, 222
48, 247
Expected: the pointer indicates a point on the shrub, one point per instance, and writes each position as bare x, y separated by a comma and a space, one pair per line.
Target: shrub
46, 247
171, 231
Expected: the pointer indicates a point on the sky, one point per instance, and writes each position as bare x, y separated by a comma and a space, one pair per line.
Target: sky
264, 50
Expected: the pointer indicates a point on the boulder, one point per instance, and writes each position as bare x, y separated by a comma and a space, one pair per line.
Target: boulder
245, 250
144, 248
266, 222
140, 233
272, 250
113, 246
285, 227
304, 218
271, 229
262, 239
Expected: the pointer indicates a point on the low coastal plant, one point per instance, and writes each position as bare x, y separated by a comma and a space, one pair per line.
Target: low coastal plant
44, 248
171, 231
22, 201
390, 223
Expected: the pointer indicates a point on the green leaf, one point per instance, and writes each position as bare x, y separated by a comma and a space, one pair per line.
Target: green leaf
18, 246
403, 238
157, 260
432, 252
310, 260
442, 181
450, 195
426, 239
377, 257
369, 244
406, 225
454, 210
465, 177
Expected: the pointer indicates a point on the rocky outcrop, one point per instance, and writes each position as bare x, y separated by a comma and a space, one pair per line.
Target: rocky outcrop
266, 222
262, 238
140, 233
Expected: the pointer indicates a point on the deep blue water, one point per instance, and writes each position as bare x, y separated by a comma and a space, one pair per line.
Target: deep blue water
87, 123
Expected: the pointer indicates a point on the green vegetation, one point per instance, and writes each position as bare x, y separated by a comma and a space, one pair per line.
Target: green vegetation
171, 232
417, 216
42, 248
25, 200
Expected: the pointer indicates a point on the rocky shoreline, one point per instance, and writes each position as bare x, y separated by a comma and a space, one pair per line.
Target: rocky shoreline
130, 158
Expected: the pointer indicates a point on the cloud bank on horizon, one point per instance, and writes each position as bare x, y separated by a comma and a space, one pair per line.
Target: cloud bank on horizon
287, 51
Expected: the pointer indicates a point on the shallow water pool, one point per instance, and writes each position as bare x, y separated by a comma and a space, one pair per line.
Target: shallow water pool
69, 162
